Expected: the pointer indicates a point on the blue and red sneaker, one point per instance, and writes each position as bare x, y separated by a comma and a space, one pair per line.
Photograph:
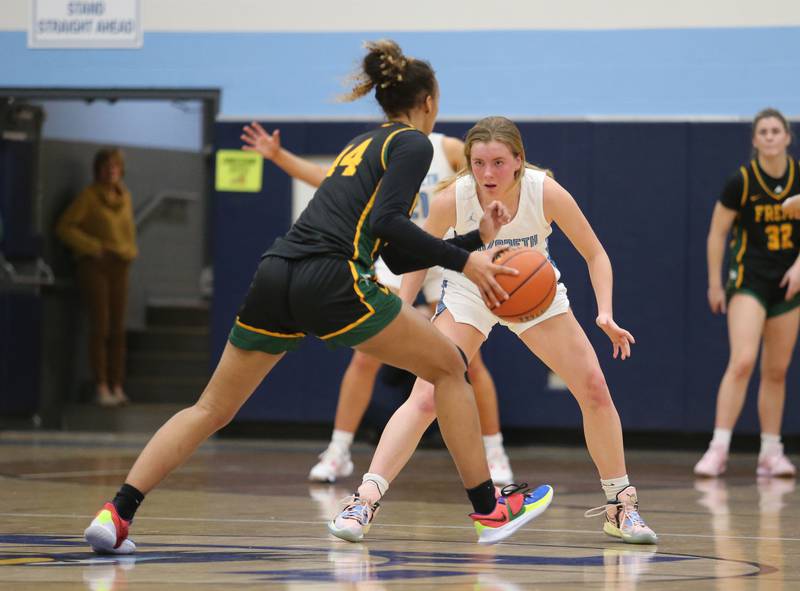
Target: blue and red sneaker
516, 506
108, 532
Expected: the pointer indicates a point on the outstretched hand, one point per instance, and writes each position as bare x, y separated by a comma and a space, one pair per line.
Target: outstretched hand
257, 139
620, 338
495, 216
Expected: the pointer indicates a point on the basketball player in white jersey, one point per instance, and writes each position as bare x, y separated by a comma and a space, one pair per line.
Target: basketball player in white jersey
358, 381
498, 171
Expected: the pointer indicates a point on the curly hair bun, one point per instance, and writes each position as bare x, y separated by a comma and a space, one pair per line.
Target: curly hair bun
399, 81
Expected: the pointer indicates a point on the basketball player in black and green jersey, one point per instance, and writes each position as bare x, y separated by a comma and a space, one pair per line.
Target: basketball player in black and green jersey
762, 295
319, 280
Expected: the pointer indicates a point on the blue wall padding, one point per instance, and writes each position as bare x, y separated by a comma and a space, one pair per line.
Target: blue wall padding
648, 190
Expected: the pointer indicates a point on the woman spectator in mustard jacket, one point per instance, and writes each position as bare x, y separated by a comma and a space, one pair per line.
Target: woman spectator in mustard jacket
99, 227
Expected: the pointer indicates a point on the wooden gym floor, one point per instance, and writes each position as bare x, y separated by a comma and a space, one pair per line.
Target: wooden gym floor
240, 515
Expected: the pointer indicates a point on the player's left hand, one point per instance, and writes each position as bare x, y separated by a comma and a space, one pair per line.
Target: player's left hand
620, 338
791, 281
791, 206
495, 216
257, 139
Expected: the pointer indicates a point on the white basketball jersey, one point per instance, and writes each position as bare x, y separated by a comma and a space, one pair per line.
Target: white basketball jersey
528, 228
440, 169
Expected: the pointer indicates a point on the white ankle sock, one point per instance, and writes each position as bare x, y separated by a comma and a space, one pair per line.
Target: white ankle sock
722, 438
769, 442
378, 481
613, 486
342, 439
493, 441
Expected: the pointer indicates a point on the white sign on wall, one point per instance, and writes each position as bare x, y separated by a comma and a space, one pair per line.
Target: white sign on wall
302, 192
85, 24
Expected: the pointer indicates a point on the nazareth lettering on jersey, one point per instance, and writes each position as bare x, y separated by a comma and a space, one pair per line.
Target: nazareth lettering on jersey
529, 241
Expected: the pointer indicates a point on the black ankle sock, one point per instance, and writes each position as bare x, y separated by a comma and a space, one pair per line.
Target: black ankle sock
127, 501
482, 497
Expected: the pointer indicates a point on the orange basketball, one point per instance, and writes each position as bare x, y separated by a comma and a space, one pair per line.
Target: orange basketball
532, 291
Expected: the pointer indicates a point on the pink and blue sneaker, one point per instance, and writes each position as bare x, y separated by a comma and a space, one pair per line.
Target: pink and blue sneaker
354, 520
622, 519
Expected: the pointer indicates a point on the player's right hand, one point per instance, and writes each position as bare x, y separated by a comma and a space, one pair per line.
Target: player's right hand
716, 299
257, 139
791, 206
481, 271
495, 216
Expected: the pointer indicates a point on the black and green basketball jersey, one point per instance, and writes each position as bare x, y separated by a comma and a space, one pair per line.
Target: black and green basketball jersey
337, 219
764, 237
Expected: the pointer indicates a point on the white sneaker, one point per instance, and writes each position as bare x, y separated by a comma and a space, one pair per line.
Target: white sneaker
354, 520
333, 463
713, 463
499, 466
775, 463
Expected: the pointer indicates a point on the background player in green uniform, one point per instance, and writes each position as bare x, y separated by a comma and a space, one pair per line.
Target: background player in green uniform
762, 295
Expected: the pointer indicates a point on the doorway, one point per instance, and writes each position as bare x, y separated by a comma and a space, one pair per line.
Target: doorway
167, 137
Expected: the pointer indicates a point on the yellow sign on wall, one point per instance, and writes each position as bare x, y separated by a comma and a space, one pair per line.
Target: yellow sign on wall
239, 171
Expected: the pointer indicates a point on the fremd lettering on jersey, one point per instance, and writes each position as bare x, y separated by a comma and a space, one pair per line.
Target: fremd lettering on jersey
525, 241
771, 213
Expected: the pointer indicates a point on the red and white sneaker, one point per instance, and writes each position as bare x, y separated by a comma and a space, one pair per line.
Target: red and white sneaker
775, 463
108, 533
515, 507
713, 462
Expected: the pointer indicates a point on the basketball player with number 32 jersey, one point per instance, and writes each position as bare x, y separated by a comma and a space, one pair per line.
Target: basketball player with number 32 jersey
766, 240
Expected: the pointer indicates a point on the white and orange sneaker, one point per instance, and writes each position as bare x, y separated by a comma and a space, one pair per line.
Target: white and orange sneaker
775, 463
713, 463
108, 532
623, 520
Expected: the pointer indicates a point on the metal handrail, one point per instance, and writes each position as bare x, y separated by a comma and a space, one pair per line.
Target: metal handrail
146, 211
43, 274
